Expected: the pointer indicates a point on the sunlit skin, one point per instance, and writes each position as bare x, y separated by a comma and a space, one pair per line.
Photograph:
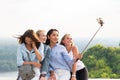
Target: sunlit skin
68, 43
42, 36
53, 38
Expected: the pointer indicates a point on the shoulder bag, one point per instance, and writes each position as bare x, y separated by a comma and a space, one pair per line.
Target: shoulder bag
26, 71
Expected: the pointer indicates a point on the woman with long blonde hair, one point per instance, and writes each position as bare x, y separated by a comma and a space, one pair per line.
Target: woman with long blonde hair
79, 71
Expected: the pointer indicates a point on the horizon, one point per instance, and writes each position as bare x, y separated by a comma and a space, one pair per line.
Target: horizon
113, 42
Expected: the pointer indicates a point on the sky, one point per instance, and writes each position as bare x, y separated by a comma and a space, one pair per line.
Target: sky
77, 17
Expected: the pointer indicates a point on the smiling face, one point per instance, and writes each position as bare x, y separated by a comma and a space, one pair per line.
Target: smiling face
54, 37
42, 36
67, 40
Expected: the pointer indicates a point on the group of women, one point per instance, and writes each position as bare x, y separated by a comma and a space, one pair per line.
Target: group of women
51, 60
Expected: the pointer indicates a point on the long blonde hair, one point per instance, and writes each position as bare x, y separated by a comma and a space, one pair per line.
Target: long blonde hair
61, 42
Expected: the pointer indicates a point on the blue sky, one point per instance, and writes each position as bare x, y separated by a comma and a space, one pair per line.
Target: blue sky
77, 17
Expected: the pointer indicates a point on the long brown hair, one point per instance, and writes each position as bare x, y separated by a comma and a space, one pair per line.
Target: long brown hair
48, 34
31, 34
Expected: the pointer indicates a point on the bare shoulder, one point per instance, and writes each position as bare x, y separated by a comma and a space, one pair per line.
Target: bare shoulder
74, 47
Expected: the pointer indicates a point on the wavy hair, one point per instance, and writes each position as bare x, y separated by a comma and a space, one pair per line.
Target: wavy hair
31, 34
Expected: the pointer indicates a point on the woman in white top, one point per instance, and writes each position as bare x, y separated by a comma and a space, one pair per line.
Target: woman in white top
79, 71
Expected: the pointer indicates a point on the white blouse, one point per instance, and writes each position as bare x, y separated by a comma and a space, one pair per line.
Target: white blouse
79, 64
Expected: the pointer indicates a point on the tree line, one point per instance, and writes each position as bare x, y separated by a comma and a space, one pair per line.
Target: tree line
101, 61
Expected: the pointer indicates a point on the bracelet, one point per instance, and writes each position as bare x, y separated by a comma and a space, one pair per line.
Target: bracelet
73, 75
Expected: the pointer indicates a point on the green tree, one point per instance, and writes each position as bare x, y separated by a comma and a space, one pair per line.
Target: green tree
102, 62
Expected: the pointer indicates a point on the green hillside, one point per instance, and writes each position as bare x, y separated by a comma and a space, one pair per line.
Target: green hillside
102, 61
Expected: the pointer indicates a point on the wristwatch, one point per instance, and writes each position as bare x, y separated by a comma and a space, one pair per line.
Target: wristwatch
74, 75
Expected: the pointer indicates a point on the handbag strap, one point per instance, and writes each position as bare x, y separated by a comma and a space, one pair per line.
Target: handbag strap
28, 56
24, 60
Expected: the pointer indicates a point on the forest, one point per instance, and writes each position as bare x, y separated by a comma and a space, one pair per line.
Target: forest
101, 61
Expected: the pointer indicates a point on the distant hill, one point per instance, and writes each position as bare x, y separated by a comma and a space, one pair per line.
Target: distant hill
80, 42
8, 50
108, 42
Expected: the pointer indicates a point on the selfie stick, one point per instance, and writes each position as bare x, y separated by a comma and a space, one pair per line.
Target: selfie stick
99, 20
